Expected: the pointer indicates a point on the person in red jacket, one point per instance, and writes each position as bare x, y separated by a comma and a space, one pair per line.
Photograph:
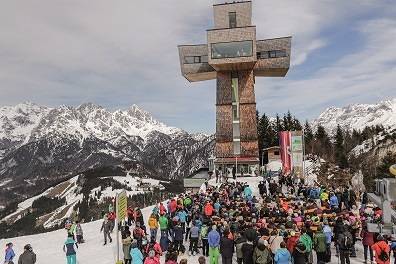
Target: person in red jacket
153, 245
291, 241
209, 209
130, 215
378, 247
162, 209
111, 216
368, 241
173, 205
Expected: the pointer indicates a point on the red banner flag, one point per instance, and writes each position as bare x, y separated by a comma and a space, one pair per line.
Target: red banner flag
285, 150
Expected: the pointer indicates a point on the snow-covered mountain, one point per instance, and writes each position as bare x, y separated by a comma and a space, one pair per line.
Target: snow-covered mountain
40, 145
358, 116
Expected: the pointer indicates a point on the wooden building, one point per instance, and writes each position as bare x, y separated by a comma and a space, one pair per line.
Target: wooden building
234, 57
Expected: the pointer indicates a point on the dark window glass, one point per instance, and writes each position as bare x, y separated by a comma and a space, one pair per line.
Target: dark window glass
204, 58
232, 49
271, 54
189, 59
276, 152
232, 19
234, 74
280, 53
262, 55
195, 59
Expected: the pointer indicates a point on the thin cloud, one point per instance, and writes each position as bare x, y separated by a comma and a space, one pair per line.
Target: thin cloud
116, 54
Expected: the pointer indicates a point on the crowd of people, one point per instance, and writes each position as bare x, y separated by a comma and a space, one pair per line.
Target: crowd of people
286, 222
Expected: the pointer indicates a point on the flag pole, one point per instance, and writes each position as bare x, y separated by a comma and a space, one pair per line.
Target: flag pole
116, 223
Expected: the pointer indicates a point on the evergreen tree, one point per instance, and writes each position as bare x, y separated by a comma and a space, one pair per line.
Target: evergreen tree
278, 124
287, 121
296, 125
338, 145
308, 135
323, 143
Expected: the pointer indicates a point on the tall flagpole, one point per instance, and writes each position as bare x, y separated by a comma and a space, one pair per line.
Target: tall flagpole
116, 223
304, 171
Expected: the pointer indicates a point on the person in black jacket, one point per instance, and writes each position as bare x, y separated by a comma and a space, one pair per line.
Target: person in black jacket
344, 247
247, 251
338, 230
28, 256
300, 253
226, 248
251, 234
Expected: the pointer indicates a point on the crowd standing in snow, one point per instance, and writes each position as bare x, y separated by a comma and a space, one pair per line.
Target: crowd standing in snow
287, 222
227, 222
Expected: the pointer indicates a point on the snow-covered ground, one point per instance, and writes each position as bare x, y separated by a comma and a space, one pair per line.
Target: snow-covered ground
48, 246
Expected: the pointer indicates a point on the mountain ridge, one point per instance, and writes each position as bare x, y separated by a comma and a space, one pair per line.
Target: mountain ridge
40, 144
358, 116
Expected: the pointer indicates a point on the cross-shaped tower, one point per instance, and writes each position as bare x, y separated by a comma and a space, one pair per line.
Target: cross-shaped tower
234, 58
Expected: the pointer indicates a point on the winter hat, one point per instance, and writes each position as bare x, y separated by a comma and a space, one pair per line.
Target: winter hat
214, 227
380, 238
292, 233
352, 218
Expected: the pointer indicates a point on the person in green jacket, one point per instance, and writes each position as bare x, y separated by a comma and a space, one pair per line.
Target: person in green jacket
320, 244
306, 239
163, 223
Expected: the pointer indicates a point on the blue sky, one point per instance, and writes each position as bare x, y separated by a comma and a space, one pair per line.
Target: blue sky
119, 53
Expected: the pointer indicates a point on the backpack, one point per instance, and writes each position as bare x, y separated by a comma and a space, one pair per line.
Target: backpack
314, 193
137, 233
383, 255
204, 231
348, 242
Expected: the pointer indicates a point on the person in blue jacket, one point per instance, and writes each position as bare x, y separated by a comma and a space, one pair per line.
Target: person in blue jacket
214, 242
247, 190
282, 255
70, 248
10, 254
136, 254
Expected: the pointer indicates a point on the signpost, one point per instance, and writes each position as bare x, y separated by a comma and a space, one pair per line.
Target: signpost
192, 182
121, 208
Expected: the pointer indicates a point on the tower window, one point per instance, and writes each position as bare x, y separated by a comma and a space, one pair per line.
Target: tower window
271, 54
232, 19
